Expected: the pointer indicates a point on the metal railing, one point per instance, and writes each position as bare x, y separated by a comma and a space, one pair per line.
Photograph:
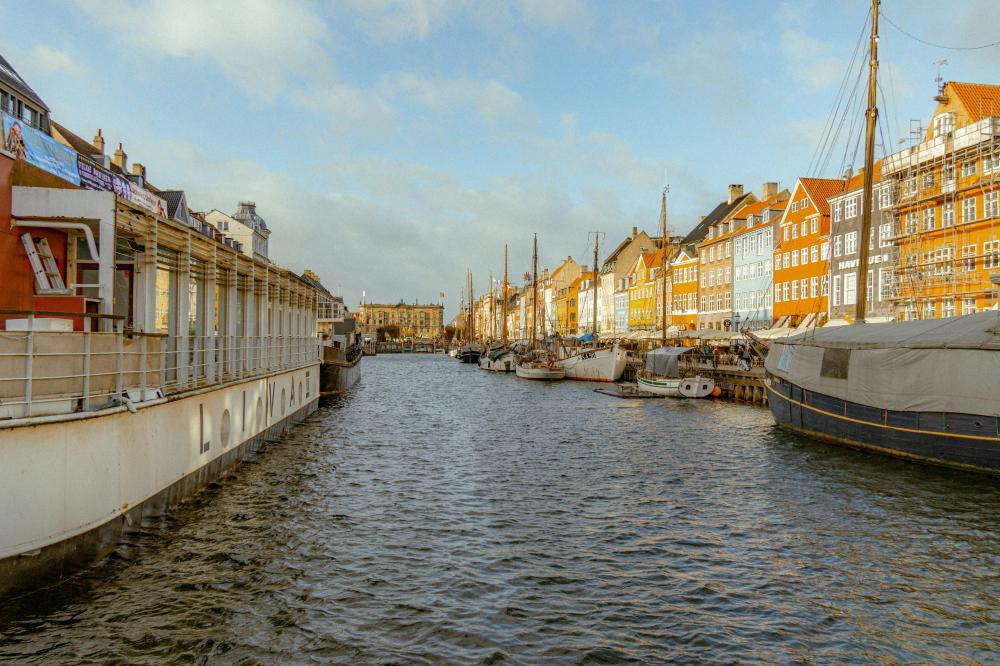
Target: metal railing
44, 373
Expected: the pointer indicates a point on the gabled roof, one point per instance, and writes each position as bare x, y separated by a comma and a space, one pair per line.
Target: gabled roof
819, 190
75, 142
979, 99
174, 198
10, 77
718, 214
857, 181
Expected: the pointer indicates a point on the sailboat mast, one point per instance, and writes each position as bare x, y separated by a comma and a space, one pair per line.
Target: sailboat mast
866, 197
663, 269
493, 312
504, 296
534, 294
593, 331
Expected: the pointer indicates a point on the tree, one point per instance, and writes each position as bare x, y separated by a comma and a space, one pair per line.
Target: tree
449, 333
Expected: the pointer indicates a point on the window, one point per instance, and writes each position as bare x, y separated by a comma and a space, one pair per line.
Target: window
837, 245
968, 209
711, 279
944, 123
777, 293
991, 164
991, 204
784, 291
851, 242
805, 256
850, 288
729, 249
824, 285
968, 168
703, 304
836, 290
788, 262
795, 206
728, 276
929, 181
784, 232
814, 225
814, 253
948, 307
711, 302
884, 283
851, 207
836, 212
885, 197
991, 254
803, 227
968, 306
795, 258
795, 231
795, 290
947, 215
824, 250
929, 219
968, 264
804, 284
803, 203
930, 310
711, 253
885, 234
814, 287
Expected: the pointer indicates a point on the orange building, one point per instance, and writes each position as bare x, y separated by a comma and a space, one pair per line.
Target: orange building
715, 286
684, 289
802, 253
948, 206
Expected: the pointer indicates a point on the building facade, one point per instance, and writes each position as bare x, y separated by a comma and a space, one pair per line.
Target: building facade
801, 256
948, 206
684, 289
752, 260
414, 320
845, 230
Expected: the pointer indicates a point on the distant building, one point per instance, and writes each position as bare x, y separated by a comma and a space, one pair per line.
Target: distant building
414, 320
753, 249
245, 227
17, 99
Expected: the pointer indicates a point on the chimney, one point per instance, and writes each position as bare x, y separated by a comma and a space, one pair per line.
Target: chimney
139, 170
768, 191
848, 173
635, 231
701, 218
735, 192
120, 159
98, 141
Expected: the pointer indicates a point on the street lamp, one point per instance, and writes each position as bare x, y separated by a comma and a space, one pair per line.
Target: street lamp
736, 320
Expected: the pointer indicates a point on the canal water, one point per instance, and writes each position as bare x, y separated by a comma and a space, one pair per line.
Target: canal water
440, 514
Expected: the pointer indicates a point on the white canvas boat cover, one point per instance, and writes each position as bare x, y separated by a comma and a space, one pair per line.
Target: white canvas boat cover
934, 365
663, 361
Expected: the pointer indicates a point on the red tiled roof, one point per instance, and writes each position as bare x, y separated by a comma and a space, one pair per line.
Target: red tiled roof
979, 99
821, 189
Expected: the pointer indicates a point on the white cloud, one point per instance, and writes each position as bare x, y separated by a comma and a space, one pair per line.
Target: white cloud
490, 101
54, 61
571, 16
811, 60
260, 46
392, 20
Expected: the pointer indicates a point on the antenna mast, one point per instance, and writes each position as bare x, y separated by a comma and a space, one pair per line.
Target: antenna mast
663, 269
534, 294
593, 331
504, 296
866, 198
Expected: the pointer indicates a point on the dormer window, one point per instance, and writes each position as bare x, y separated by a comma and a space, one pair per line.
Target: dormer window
944, 123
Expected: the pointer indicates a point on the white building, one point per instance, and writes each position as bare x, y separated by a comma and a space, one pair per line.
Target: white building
245, 227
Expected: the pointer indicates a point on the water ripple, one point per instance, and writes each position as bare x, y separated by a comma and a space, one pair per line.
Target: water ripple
439, 514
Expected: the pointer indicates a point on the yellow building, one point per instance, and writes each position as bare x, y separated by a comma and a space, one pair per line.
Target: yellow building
573, 302
642, 292
945, 193
414, 320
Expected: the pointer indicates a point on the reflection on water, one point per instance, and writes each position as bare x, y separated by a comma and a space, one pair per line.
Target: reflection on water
443, 514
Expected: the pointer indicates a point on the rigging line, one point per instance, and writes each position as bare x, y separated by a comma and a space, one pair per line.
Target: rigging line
847, 108
831, 119
937, 46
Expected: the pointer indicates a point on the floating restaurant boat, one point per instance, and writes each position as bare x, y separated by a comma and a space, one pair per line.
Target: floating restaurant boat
144, 353
662, 375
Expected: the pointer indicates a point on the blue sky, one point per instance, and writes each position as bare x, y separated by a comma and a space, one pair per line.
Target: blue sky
392, 144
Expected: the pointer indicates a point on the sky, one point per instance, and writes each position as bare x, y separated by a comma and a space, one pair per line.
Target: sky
392, 144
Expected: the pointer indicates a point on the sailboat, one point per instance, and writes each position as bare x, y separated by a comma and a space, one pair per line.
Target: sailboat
537, 362
500, 358
595, 362
471, 350
662, 374
920, 390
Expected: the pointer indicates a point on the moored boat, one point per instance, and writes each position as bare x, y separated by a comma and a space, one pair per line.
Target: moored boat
600, 364
470, 352
662, 375
500, 359
539, 366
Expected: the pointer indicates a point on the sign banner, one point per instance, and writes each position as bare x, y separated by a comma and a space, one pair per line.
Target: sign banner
37, 148
95, 177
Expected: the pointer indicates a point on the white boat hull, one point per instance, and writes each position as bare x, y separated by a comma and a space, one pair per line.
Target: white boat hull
503, 363
685, 387
601, 365
542, 373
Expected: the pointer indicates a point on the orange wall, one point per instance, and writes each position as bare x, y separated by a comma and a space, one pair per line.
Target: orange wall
802, 305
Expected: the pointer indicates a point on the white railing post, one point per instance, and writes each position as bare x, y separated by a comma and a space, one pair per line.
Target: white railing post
28, 363
119, 362
86, 371
142, 369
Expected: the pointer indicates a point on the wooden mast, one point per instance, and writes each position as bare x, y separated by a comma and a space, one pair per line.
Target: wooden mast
593, 331
504, 297
493, 312
534, 294
866, 198
663, 268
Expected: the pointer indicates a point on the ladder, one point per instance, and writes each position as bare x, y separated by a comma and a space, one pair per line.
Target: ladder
47, 277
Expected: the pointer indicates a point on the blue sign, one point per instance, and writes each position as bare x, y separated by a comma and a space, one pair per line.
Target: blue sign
37, 148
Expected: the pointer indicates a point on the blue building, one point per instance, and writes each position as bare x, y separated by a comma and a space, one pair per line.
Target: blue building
753, 247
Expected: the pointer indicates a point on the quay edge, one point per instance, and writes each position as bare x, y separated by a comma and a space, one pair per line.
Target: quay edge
94, 477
